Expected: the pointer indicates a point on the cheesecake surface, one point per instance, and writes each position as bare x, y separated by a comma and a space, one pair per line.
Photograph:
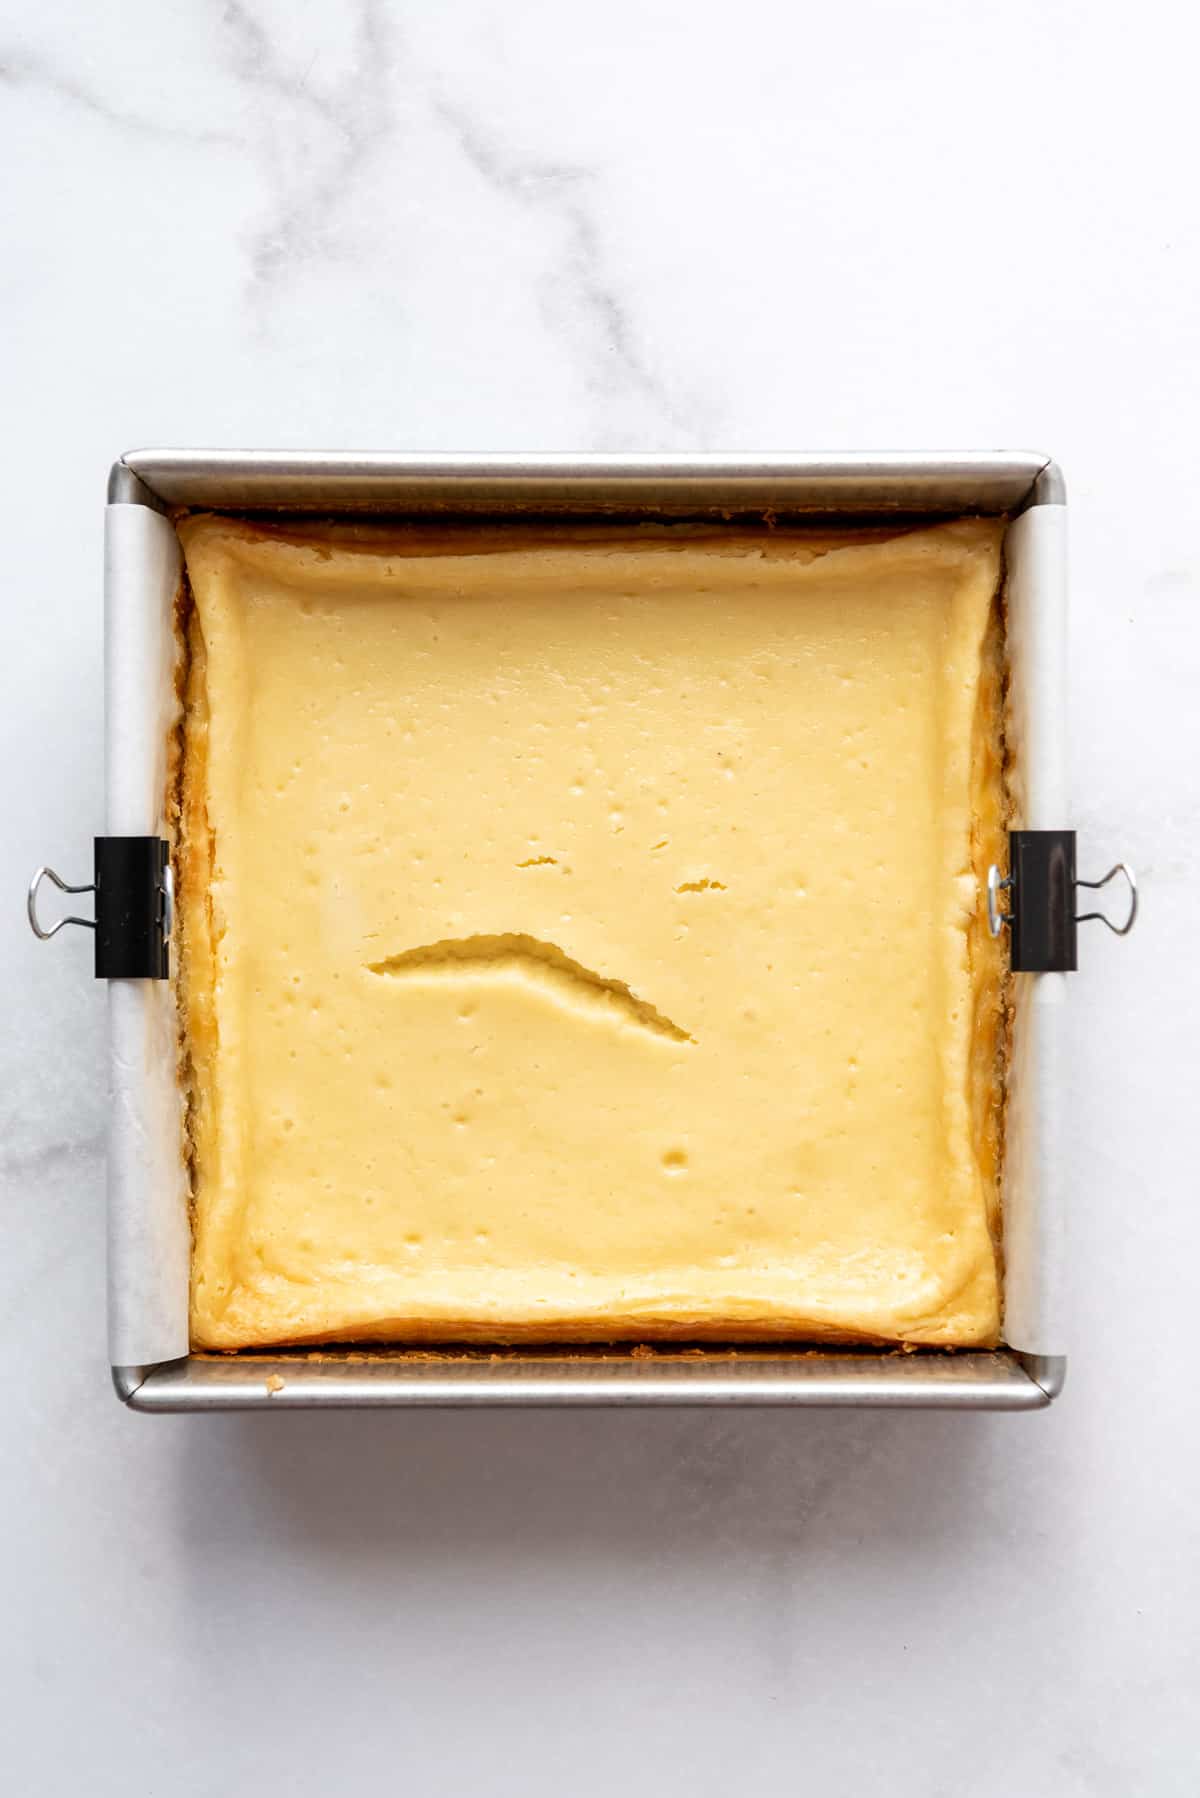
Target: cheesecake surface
581, 938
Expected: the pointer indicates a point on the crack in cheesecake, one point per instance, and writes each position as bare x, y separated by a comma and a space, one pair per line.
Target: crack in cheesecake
542, 965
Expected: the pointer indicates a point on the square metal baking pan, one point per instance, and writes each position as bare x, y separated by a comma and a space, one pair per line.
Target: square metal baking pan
848, 489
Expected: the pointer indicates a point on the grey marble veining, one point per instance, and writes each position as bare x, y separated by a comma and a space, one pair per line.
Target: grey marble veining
579, 298
312, 134
35, 70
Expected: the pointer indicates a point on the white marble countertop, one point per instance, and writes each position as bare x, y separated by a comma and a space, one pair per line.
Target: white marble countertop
649, 225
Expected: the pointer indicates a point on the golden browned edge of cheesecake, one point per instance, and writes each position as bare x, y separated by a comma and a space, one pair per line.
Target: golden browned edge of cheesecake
992, 982
192, 851
197, 930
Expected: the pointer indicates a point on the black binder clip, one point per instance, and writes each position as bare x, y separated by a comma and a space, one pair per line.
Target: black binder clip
134, 907
1042, 919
